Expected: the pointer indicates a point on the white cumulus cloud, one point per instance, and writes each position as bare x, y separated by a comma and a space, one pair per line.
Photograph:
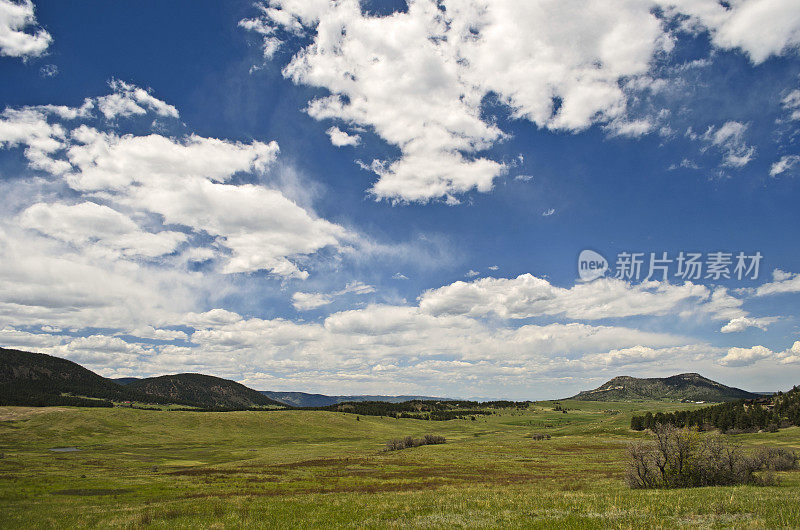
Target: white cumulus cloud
529, 296
183, 181
754, 354
418, 79
742, 323
782, 282
340, 138
760, 28
19, 35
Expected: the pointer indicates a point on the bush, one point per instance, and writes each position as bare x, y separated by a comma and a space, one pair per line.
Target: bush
395, 445
776, 459
680, 458
408, 441
434, 439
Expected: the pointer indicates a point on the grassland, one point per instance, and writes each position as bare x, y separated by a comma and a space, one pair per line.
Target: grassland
170, 469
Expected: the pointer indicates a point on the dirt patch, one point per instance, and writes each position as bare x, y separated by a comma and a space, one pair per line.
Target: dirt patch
265, 478
88, 492
448, 474
361, 488
95, 462
317, 462
205, 472
592, 449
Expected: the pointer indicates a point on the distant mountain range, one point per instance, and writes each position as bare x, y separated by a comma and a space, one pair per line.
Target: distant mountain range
38, 379
301, 399
683, 387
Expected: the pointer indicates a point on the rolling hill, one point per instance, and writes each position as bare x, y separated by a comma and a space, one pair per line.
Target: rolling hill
689, 387
38, 379
202, 390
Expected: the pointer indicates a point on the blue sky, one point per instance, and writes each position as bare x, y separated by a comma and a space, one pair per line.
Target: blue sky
378, 197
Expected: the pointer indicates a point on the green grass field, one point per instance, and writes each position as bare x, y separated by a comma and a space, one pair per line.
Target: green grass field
302, 468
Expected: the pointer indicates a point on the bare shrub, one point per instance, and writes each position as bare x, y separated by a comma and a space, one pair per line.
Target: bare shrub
395, 445
434, 439
407, 442
776, 459
680, 458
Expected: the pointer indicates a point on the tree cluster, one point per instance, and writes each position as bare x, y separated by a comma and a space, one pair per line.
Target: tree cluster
768, 414
417, 409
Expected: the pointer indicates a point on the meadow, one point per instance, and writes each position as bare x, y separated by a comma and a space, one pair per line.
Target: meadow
293, 468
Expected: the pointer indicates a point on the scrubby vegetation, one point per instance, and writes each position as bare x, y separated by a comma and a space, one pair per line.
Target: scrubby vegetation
303, 468
410, 441
776, 459
767, 413
682, 458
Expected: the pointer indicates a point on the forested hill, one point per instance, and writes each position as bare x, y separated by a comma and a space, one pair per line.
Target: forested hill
683, 387
38, 379
767, 413
206, 390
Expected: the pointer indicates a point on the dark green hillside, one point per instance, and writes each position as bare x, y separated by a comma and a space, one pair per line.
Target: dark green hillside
203, 391
38, 379
767, 413
683, 387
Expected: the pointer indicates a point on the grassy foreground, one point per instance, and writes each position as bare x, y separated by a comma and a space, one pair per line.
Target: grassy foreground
302, 468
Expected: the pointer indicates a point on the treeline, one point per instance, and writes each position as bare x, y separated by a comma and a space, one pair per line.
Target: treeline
214, 409
49, 400
768, 413
445, 415
424, 409
32, 393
